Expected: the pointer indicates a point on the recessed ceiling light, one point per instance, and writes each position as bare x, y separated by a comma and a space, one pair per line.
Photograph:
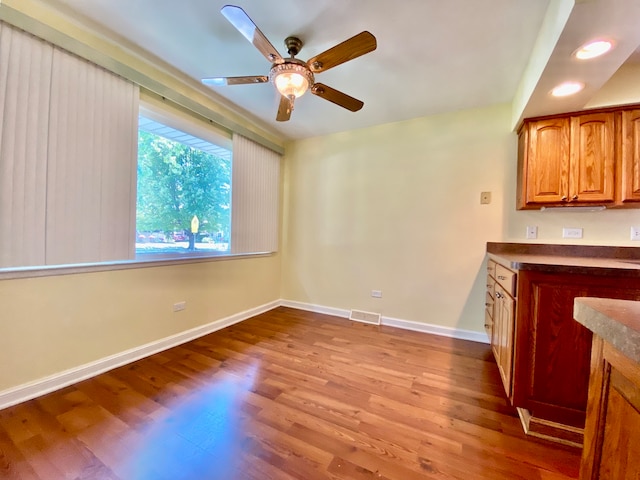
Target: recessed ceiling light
567, 88
593, 49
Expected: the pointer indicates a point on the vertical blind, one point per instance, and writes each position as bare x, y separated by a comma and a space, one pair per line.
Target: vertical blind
255, 200
68, 153
25, 76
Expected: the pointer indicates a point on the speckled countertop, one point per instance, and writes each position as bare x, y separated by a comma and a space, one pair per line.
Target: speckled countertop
616, 321
580, 259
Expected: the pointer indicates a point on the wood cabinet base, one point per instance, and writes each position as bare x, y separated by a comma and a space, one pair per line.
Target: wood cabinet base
612, 431
556, 432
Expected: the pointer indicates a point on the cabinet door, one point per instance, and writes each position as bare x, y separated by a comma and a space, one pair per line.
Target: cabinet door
630, 162
547, 169
592, 174
503, 335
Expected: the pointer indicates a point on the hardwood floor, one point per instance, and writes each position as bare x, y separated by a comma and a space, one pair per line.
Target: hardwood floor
285, 395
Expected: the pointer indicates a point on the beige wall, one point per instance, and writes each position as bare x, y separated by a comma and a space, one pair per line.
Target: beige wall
397, 208
51, 324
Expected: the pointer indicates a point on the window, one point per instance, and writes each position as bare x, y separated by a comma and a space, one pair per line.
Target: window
94, 169
183, 194
188, 177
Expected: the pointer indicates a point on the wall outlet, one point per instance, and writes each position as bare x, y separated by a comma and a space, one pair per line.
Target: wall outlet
532, 232
571, 233
376, 293
635, 233
177, 307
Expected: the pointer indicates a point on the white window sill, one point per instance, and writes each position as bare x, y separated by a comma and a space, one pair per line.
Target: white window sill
143, 261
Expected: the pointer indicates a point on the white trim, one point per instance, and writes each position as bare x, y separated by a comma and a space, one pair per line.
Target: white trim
458, 333
309, 307
63, 379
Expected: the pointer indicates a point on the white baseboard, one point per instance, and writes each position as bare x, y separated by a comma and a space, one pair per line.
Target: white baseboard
309, 307
63, 379
458, 333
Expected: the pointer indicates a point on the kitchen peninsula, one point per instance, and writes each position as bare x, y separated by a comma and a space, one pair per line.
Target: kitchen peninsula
542, 353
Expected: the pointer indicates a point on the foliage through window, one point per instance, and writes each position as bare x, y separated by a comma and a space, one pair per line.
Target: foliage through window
184, 192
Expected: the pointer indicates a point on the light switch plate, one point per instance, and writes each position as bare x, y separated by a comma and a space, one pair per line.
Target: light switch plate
532, 232
635, 233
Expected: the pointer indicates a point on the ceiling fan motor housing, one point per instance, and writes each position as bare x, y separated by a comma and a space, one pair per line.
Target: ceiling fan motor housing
294, 45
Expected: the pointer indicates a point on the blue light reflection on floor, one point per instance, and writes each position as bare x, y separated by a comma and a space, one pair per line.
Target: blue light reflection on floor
199, 438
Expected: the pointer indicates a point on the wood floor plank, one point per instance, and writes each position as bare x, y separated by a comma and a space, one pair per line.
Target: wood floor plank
286, 395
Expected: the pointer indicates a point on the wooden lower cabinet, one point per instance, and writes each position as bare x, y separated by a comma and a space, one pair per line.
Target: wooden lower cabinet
612, 435
552, 352
500, 318
502, 340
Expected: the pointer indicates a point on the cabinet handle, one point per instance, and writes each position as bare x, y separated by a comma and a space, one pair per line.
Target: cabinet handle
501, 277
486, 325
564, 198
575, 197
498, 295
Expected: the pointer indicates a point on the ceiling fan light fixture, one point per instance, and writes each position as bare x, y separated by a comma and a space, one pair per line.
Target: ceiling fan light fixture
291, 79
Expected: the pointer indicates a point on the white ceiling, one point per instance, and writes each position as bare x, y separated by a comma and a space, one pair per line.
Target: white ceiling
433, 56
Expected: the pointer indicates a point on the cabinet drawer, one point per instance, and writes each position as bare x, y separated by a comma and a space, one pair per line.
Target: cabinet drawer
507, 279
488, 324
491, 268
488, 304
491, 285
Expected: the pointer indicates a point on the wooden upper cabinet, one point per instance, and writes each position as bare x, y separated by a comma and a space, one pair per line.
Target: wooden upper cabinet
592, 177
629, 172
547, 169
567, 160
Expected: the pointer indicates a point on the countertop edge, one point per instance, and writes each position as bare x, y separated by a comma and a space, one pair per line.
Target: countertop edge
558, 262
609, 319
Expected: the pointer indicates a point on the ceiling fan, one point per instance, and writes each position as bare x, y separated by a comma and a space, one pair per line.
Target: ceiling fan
291, 76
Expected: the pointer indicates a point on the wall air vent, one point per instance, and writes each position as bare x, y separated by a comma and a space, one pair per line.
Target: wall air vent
365, 317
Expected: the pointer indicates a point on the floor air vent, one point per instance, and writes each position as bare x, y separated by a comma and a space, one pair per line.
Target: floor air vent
365, 317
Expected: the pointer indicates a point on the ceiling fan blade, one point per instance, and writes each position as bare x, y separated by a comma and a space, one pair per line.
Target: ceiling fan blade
284, 109
239, 19
352, 48
337, 97
218, 81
